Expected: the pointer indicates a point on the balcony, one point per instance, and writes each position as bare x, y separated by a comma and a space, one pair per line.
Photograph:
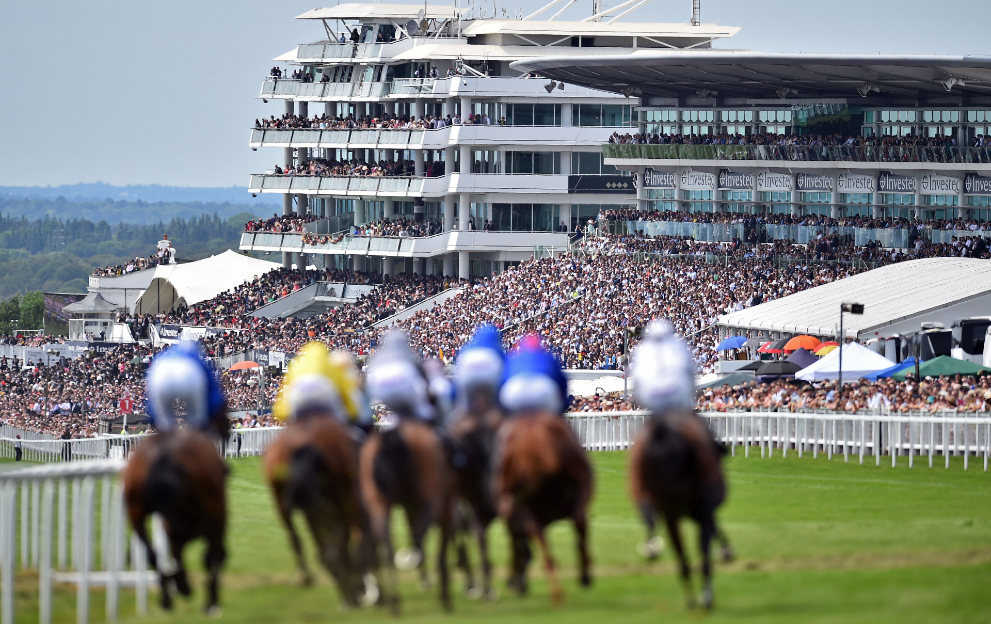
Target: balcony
346, 185
800, 153
294, 89
402, 139
446, 242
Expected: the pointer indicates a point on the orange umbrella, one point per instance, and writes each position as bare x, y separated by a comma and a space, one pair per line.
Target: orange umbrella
809, 343
824, 348
244, 365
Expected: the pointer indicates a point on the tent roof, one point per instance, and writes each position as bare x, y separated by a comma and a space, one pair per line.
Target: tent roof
802, 357
93, 302
858, 361
194, 282
733, 379
942, 366
889, 294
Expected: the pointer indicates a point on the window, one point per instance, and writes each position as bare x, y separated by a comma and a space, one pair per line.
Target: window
814, 198
533, 162
525, 217
733, 116
772, 116
533, 114
898, 199
941, 200
979, 200
694, 204
609, 115
486, 161
664, 116
774, 196
856, 198
590, 163
736, 196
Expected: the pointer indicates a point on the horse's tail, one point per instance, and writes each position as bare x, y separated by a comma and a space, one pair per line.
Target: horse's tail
165, 485
393, 464
305, 466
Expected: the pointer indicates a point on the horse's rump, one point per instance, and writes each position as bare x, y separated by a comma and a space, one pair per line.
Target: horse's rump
406, 463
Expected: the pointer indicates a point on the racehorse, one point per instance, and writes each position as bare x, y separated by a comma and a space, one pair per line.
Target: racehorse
313, 467
477, 417
675, 464
541, 473
407, 466
178, 473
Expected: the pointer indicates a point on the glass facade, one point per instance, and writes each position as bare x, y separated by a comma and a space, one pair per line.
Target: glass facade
591, 163
542, 163
533, 114
698, 201
609, 115
525, 217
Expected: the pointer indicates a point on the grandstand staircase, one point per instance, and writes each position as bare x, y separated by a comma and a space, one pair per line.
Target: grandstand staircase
308, 302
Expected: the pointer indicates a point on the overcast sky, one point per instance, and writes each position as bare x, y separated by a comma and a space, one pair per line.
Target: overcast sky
138, 92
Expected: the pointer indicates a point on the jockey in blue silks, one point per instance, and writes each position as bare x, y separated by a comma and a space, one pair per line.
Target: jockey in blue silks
181, 375
533, 380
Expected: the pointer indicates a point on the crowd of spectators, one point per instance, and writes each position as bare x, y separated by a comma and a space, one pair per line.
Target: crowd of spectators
809, 140
962, 393
356, 167
399, 227
137, 264
280, 224
385, 122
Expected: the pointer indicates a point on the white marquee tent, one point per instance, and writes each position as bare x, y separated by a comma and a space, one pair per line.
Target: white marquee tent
187, 284
858, 361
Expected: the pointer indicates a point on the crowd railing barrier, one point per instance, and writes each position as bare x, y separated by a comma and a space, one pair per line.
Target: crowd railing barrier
801, 153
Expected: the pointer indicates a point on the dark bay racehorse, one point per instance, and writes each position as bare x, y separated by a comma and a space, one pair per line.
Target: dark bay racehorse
180, 476
408, 466
676, 470
474, 434
313, 467
541, 475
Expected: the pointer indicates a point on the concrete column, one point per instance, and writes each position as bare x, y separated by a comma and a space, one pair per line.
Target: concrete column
390, 108
465, 108
417, 266
448, 213
449, 265
964, 210
464, 264
918, 198
359, 211
449, 104
388, 266
418, 167
465, 157
304, 109
300, 204
289, 107
416, 108
419, 210
642, 122
389, 208
287, 157
286, 210
834, 208
566, 117
429, 262
794, 196
565, 215
464, 212
641, 191
330, 109
449, 160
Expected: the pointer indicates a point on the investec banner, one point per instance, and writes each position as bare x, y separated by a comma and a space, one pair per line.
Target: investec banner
855, 183
774, 182
975, 184
733, 181
698, 181
659, 179
814, 183
939, 185
891, 183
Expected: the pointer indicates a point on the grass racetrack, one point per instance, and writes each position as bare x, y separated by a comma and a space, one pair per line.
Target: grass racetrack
816, 541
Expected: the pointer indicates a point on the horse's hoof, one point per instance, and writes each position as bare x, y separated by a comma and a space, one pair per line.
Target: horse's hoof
705, 599
474, 593
371, 593
586, 580
728, 554
307, 580
652, 548
490, 595
557, 598
426, 585
182, 584
214, 611
407, 559
518, 584
166, 601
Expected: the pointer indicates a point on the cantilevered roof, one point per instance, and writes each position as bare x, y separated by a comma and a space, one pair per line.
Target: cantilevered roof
379, 11
603, 29
760, 75
889, 294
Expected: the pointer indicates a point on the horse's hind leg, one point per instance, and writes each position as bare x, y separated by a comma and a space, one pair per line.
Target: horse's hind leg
139, 522
521, 553
419, 519
535, 531
462, 530
654, 545
285, 512
706, 533
726, 549
674, 531
483, 553
216, 553
585, 560
177, 542
446, 534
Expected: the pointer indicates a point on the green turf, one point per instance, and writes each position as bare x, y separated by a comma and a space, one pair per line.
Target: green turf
816, 540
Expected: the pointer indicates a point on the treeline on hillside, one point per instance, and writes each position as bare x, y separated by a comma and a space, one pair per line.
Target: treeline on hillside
25, 312
86, 239
139, 212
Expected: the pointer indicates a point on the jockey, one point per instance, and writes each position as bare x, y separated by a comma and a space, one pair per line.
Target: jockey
479, 369
662, 371
320, 382
396, 379
533, 380
181, 375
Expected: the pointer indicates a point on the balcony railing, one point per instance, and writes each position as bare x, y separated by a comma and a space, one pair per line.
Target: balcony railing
795, 153
337, 184
295, 89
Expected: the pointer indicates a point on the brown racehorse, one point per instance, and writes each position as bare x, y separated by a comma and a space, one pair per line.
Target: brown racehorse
313, 467
474, 435
408, 466
542, 475
180, 475
676, 470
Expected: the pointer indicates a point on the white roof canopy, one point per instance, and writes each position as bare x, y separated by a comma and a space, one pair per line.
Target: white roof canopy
890, 294
187, 284
378, 11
